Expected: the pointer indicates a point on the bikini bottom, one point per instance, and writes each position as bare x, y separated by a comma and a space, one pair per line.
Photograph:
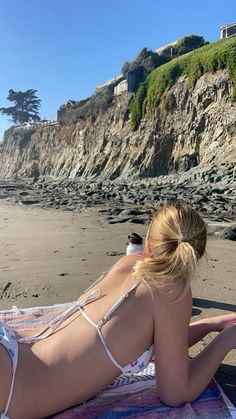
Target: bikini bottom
9, 341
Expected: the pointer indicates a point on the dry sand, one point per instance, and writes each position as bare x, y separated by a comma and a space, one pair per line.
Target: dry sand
49, 257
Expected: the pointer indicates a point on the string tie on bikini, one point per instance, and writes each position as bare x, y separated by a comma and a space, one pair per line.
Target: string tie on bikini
55, 323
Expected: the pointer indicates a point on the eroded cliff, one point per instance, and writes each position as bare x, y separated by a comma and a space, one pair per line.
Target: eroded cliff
189, 128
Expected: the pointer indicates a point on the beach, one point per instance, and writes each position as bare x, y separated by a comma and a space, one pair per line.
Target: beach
50, 257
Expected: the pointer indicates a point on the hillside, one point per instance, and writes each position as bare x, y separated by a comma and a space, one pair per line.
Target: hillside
183, 117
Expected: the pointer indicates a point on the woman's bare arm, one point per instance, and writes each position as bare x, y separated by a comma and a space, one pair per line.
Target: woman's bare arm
200, 328
203, 366
180, 379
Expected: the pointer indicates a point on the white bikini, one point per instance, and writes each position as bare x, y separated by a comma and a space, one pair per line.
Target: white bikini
136, 366
9, 341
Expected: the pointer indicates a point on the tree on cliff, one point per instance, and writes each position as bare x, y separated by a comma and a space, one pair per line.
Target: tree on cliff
137, 70
146, 59
26, 106
186, 44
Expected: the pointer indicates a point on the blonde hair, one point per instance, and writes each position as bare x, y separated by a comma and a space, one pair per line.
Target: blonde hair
177, 239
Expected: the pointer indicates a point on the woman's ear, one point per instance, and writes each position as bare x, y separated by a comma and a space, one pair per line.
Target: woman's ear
148, 248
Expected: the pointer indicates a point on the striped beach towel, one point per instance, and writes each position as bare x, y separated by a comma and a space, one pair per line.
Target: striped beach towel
128, 396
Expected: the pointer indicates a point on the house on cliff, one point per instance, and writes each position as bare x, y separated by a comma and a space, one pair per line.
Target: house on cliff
126, 85
228, 30
161, 49
108, 83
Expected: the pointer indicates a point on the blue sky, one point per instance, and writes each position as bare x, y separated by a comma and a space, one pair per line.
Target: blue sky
64, 48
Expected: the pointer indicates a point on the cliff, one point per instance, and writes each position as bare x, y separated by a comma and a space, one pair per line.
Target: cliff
190, 128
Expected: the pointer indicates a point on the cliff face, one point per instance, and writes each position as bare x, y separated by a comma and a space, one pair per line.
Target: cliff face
190, 128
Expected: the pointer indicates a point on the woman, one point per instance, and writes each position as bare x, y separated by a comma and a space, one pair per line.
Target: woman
141, 306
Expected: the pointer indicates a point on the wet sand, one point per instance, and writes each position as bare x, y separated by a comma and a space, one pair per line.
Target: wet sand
49, 257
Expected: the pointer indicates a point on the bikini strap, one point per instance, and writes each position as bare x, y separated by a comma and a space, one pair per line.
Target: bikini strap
57, 321
14, 365
106, 318
116, 305
92, 296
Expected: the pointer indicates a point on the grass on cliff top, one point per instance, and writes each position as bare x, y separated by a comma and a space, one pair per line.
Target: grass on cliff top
211, 57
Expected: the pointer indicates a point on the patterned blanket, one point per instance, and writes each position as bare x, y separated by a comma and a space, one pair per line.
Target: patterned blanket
128, 396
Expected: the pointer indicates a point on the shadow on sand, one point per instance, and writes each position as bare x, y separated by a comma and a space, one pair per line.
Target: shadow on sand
226, 377
200, 302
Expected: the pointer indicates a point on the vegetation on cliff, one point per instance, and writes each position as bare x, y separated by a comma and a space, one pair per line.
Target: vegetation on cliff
211, 57
146, 61
137, 70
87, 108
21, 136
183, 46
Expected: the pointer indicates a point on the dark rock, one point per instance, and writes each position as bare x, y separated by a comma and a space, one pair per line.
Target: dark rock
23, 193
118, 220
115, 253
29, 201
138, 220
131, 212
228, 233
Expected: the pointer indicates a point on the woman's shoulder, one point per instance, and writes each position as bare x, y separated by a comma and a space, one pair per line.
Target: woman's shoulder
127, 262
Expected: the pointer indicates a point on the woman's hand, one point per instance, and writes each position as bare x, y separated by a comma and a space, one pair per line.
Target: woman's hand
230, 334
223, 322
200, 328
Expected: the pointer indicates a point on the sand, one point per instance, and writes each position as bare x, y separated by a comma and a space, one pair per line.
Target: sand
49, 257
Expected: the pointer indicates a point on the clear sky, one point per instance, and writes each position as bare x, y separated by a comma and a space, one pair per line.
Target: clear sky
65, 48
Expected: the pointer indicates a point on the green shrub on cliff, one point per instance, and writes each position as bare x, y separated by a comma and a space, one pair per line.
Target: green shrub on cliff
23, 136
184, 45
24, 133
189, 43
136, 107
211, 57
137, 70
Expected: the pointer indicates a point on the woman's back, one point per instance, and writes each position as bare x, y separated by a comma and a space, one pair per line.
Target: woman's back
72, 365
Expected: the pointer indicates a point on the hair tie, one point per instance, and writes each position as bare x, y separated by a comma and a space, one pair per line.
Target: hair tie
182, 240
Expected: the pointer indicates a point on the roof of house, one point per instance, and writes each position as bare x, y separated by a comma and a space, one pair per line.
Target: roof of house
166, 46
228, 25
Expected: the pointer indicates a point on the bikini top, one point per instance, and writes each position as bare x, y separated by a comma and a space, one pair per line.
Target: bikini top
136, 366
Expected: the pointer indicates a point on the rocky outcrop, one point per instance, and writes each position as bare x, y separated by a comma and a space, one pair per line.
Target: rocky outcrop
192, 132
